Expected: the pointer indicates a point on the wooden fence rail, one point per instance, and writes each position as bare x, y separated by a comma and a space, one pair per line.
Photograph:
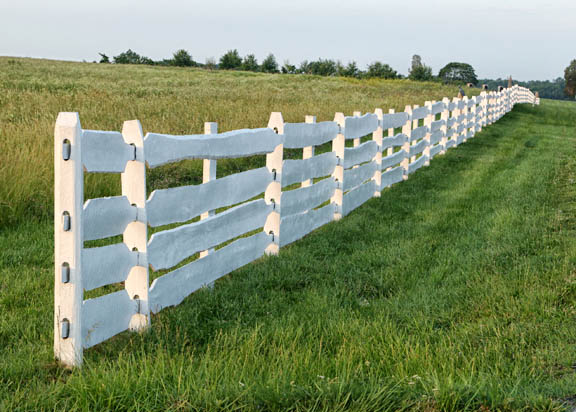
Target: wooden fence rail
206, 231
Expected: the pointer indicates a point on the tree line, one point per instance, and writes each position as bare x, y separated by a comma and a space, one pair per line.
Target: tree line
451, 73
454, 72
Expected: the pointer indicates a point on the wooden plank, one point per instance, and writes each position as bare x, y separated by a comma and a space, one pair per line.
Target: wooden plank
434, 150
392, 176
180, 204
419, 133
106, 316
471, 116
106, 265
393, 141
437, 107
450, 143
136, 234
356, 127
419, 113
437, 125
393, 159
356, 176
298, 170
418, 148
305, 198
297, 226
417, 164
273, 194
170, 247
355, 155
357, 197
452, 106
451, 122
105, 151
68, 199
394, 120
107, 216
435, 137
299, 135
163, 148
173, 287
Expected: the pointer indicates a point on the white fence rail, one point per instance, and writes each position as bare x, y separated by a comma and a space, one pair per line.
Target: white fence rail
259, 210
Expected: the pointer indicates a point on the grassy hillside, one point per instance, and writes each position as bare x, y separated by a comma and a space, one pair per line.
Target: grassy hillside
168, 100
455, 291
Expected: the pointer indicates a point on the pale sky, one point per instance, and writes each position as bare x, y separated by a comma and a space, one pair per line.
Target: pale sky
528, 39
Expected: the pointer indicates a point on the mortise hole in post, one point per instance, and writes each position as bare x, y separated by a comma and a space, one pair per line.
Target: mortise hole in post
65, 272
134, 249
276, 130
137, 299
66, 221
66, 149
134, 146
65, 329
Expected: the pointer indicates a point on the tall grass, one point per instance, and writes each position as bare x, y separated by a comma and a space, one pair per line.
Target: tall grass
167, 100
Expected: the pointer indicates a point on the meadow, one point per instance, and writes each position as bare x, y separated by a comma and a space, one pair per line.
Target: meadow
454, 291
165, 100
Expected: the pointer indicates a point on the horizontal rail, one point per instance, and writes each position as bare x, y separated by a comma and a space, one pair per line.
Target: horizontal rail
306, 198
181, 204
299, 135
295, 171
164, 148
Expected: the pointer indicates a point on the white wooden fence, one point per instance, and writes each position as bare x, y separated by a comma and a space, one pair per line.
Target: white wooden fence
263, 209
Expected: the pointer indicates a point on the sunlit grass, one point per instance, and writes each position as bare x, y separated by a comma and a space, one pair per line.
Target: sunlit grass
165, 100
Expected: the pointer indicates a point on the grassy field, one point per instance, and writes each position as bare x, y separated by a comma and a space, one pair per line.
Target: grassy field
455, 291
165, 100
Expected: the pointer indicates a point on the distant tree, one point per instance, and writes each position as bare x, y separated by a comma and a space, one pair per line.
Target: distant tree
250, 64
230, 61
288, 68
131, 57
269, 64
210, 63
458, 73
422, 73
416, 62
570, 78
182, 58
351, 70
381, 70
104, 58
321, 67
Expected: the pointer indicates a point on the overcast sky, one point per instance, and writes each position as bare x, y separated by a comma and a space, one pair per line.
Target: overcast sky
528, 39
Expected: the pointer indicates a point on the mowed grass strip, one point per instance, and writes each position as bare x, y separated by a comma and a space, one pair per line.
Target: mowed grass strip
455, 291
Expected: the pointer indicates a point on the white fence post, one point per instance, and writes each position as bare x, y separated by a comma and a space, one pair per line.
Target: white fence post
136, 233
338, 147
407, 131
428, 123
377, 136
208, 174
445, 116
68, 239
273, 192
308, 151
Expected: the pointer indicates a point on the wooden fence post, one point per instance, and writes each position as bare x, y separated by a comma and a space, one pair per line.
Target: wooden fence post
428, 123
407, 131
308, 151
273, 192
136, 233
445, 116
208, 174
338, 147
377, 136
68, 239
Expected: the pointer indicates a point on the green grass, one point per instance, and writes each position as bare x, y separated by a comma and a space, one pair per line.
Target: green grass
455, 291
165, 100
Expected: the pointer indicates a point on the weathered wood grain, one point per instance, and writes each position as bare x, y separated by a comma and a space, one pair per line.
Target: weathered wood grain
392, 176
394, 120
105, 151
181, 204
169, 247
305, 198
356, 176
298, 170
356, 155
357, 197
163, 148
107, 216
297, 226
106, 265
356, 127
299, 135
